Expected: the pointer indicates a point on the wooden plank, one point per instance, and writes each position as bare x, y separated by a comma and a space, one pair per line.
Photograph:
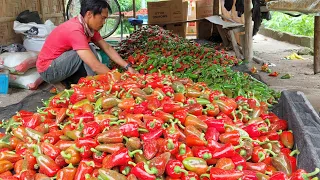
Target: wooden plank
6, 19
134, 11
223, 36
247, 48
316, 44
235, 44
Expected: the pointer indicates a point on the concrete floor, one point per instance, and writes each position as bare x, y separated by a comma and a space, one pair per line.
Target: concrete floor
268, 50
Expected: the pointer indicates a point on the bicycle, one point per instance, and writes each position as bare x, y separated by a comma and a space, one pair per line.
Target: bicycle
112, 22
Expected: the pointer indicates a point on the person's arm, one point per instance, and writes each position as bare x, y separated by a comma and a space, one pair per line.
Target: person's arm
114, 56
90, 59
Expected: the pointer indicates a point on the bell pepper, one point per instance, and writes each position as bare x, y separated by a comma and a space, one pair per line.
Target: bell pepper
286, 138
5, 166
172, 131
110, 174
192, 140
278, 176
121, 157
150, 149
220, 174
50, 150
71, 155
131, 130
201, 152
60, 161
225, 164
86, 141
212, 133
67, 173
113, 135
239, 161
184, 151
232, 137
191, 176
127, 103
31, 121
175, 168
179, 97
162, 115
85, 117
83, 169
109, 148
153, 124
228, 150
159, 163
190, 92
140, 108
224, 107
192, 120
91, 129
133, 143
259, 167
254, 130
142, 171
63, 145
301, 174
178, 87
282, 163
10, 156
98, 156
195, 109
196, 165
278, 125
47, 166
170, 145
215, 123
35, 135
151, 135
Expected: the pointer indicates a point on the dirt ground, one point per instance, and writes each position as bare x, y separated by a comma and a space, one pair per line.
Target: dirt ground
303, 78
269, 51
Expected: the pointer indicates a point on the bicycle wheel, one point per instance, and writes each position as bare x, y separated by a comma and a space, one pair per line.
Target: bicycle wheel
112, 22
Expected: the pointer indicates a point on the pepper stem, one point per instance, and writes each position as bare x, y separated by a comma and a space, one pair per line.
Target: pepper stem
132, 163
131, 154
178, 169
117, 122
315, 172
261, 156
207, 156
228, 126
98, 153
170, 144
271, 152
205, 175
182, 149
125, 138
268, 122
65, 155
239, 146
142, 130
294, 152
263, 128
243, 152
153, 170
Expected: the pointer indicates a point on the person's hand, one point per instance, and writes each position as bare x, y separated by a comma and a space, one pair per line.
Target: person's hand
133, 71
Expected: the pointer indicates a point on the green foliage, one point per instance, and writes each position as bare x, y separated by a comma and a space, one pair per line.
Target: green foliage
302, 25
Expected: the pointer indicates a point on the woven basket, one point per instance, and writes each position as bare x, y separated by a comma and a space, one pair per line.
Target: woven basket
9, 10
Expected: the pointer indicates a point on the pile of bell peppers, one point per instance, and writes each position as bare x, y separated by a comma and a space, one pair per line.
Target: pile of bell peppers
155, 126
152, 48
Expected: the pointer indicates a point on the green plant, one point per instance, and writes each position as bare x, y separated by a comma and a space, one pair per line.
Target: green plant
302, 25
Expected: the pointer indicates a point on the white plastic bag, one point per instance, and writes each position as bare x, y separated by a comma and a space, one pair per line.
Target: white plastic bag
18, 62
33, 44
30, 80
34, 30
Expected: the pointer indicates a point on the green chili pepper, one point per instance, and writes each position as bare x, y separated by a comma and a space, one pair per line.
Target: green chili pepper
178, 87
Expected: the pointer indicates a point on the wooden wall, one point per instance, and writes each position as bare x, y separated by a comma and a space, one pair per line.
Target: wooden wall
9, 10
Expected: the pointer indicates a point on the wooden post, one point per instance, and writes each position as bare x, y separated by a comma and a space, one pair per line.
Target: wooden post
134, 11
247, 48
316, 44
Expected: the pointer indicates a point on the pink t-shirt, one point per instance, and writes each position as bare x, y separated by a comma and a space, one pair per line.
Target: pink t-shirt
67, 36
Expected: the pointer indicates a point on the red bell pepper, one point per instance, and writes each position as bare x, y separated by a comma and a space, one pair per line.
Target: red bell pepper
85, 117
131, 130
159, 163
113, 135
254, 130
47, 166
175, 169
31, 121
220, 174
181, 115
153, 124
260, 166
301, 174
225, 151
121, 157
225, 164
184, 152
278, 125
162, 115
150, 149
232, 137
191, 176
201, 152
91, 129
50, 150
216, 123
171, 145
212, 133
239, 161
192, 140
151, 135
172, 131
193, 120
142, 171
286, 138
83, 169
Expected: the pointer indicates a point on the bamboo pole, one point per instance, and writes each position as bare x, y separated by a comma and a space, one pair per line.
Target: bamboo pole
248, 51
316, 44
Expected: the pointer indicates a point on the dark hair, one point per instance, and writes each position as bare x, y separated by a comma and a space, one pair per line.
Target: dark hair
95, 6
